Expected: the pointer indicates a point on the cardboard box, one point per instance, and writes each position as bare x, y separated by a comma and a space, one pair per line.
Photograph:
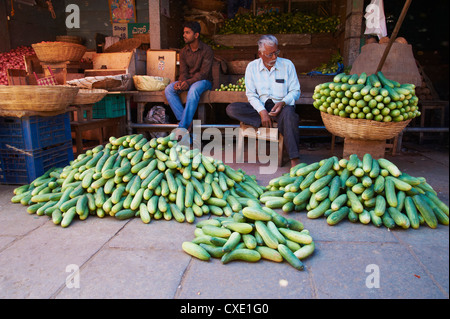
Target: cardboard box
162, 63
132, 63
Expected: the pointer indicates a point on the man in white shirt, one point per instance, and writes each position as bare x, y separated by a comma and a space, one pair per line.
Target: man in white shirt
272, 87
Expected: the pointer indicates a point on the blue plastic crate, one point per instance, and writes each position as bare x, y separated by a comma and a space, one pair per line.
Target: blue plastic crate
110, 106
34, 132
20, 167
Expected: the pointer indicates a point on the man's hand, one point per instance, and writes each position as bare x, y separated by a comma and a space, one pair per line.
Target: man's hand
277, 109
181, 86
184, 86
265, 119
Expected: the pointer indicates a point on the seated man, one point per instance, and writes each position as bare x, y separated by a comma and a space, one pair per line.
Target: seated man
196, 60
272, 87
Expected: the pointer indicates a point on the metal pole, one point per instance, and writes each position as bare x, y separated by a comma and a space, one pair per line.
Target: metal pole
394, 34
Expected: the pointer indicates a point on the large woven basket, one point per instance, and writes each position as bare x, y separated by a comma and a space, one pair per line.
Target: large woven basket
36, 98
360, 129
86, 96
237, 67
69, 38
55, 52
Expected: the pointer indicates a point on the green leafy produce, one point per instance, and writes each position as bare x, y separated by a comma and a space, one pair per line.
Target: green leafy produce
279, 23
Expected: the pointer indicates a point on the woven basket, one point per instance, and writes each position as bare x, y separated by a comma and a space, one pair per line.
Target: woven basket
362, 129
150, 83
237, 67
55, 52
36, 98
89, 96
69, 38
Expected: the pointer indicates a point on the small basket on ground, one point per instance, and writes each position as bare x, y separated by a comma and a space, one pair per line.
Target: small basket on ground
362, 129
56, 52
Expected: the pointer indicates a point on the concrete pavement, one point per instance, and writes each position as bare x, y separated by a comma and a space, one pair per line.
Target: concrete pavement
130, 259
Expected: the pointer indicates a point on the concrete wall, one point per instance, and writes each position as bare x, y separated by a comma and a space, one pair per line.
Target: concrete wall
30, 24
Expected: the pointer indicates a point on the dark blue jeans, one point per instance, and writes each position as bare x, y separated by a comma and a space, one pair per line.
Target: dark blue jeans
186, 114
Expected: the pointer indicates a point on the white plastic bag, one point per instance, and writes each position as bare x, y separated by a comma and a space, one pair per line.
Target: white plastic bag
375, 19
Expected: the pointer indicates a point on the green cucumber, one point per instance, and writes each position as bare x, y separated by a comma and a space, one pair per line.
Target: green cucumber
244, 254
195, 250
269, 239
290, 257
335, 217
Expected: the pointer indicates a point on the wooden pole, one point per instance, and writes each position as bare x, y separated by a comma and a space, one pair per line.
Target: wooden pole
394, 34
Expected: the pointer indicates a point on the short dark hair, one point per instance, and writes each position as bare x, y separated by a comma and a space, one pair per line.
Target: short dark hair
193, 25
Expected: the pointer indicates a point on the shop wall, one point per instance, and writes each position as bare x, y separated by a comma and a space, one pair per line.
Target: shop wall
95, 19
30, 24
5, 45
172, 25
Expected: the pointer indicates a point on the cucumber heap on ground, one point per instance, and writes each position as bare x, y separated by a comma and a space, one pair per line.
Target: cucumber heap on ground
133, 177
370, 97
254, 233
365, 190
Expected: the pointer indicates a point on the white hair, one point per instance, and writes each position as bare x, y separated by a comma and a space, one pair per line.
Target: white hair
268, 39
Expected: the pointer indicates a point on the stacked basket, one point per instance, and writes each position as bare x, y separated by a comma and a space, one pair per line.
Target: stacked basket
56, 52
366, 108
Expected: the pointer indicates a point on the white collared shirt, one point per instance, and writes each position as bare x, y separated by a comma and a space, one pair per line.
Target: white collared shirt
279, 84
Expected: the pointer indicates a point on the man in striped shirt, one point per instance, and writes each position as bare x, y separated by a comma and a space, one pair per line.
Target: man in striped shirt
272, 87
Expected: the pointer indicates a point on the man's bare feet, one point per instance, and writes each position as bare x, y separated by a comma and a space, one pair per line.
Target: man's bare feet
295, 161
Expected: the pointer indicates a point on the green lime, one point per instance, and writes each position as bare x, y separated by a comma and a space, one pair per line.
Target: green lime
385, 111
378, 118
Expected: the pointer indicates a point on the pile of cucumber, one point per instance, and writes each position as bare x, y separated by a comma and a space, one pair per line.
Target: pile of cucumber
370, 97
135, 177
252, 234
363, 190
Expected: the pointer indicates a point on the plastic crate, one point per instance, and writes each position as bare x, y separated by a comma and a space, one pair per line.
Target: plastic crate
19, 167
34, 132
109, 107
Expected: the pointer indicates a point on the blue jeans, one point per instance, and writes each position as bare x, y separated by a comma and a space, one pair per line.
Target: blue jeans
186, 114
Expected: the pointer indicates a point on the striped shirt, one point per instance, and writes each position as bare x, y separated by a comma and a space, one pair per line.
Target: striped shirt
279, 84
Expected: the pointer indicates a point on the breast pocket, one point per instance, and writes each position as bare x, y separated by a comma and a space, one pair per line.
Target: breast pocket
279, 88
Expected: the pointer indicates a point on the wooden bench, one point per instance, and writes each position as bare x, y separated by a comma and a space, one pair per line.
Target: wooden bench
209, 97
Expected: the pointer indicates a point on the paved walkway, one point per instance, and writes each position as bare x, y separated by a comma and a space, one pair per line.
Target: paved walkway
130, 259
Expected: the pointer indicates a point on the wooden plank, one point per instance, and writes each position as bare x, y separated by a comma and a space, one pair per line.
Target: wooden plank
104, 72
245, 40
210, 97
361, 147
116, 60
